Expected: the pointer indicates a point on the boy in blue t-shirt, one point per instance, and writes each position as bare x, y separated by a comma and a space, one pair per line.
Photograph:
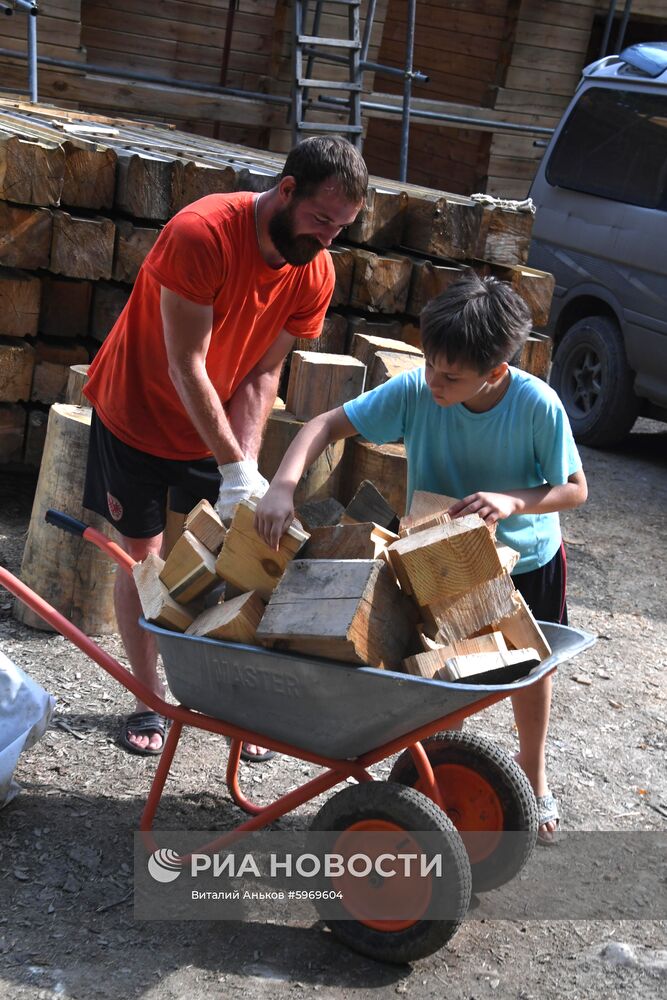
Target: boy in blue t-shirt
475, 428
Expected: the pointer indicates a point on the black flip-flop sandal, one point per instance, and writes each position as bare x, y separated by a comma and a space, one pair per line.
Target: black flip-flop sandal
257, 758
142, 723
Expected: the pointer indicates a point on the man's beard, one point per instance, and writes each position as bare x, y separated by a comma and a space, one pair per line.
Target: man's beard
297, 250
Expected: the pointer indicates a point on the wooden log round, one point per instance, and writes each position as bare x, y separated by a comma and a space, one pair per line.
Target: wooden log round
71, 574
77, 378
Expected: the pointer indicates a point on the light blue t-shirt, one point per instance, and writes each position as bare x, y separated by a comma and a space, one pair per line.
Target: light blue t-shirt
525, 440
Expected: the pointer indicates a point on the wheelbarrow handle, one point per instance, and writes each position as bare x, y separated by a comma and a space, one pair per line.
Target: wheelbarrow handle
75, 527
65, 522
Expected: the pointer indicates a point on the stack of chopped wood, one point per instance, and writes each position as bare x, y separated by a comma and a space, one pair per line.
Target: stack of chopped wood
82, 200
352, 589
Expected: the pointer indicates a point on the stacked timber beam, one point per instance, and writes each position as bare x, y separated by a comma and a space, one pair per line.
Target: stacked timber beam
351, 589
82, 200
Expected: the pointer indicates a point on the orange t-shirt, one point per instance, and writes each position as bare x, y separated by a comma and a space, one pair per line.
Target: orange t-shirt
208, 253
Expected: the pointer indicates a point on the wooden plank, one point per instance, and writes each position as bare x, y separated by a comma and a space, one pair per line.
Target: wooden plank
17, 362
318, 482
318, 513
380, 283
373, 326
156, 603
247, 562
368, 504
25, 236
343, 262
52, 369
204, 523
447, 560
189, 570
12, 432
428, 280
520, 628
535, 355
504, 236
348, 610
428, 663
108, 303
132, 246
20, 295
31, 171
424, 504
535, 287
235, 620
385, 465
321, 382
365, 347
65, 307
82, 247
442, 226
381, 222
388, 364
35, 438
487, 603
347, 541
191, 181
411, 525
489, 667
90, 175
332, 340
144, 185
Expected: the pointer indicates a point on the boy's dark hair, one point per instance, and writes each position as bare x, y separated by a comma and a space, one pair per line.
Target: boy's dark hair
320, 157
477, 322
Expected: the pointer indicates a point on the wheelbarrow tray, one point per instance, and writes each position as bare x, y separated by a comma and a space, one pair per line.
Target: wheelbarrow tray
333, 709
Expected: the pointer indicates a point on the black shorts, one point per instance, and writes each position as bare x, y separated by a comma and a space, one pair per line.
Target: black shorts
130, 488
544, 589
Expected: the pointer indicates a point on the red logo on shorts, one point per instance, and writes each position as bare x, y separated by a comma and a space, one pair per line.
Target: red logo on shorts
115, 508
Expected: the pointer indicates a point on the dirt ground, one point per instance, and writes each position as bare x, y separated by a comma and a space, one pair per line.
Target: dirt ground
66, 919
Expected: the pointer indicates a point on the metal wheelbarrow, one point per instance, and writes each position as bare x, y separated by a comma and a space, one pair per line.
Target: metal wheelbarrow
345, 719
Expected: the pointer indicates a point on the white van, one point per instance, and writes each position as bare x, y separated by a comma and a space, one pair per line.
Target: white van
601, 229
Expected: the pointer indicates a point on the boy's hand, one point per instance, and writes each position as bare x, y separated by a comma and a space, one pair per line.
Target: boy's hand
491, 507
274, 514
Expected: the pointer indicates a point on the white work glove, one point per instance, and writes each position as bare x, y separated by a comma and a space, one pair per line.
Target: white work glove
239, 481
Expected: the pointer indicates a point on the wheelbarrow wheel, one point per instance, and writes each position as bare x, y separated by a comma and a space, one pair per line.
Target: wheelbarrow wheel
403, 917
487, 797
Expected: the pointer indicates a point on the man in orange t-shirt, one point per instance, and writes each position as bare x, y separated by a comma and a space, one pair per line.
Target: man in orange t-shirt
183, 385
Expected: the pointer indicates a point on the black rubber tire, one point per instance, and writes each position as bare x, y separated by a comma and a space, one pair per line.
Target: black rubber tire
414, 812
515, 798
590, 373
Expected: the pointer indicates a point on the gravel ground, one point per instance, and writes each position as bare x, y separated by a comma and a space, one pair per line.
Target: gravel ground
66, 917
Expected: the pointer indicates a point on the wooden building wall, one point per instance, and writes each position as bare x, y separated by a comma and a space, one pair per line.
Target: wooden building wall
180, 40
58, 35
464, 46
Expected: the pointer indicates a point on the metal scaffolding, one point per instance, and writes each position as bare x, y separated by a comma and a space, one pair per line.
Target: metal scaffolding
32, 10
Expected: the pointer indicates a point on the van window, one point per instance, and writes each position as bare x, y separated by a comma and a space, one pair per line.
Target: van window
614, 145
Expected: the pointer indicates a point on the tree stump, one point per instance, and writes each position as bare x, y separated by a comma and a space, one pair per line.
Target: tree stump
68, 572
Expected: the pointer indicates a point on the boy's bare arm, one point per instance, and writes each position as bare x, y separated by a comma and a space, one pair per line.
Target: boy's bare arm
545, 499
276, 509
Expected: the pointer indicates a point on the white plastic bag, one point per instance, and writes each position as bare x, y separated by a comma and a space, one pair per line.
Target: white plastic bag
25, 713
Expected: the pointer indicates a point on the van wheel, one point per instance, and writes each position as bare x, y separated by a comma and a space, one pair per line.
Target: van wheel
591, 375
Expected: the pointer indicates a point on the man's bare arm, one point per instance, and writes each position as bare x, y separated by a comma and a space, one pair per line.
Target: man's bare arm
250, 406
187, 335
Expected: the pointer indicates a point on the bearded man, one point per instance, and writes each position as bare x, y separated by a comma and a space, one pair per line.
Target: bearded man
184, 383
